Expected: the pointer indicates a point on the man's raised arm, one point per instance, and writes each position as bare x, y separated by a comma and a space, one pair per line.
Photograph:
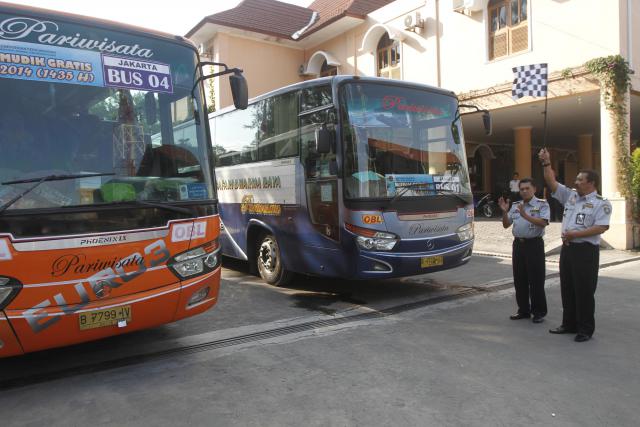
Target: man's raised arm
549, 174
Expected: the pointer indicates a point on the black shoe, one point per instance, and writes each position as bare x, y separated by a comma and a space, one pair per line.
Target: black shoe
562, 330
537, 318
519, 316
582, 338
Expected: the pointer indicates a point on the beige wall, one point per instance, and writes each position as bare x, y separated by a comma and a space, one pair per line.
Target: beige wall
266, 66
341, 47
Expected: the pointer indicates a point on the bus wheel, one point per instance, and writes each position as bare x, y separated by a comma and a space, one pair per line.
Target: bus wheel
269, 262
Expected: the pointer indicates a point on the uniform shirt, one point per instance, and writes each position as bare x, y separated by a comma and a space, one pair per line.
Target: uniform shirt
581, 213
537, 208
514, 185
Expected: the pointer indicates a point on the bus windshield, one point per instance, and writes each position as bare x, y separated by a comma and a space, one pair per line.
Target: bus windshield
133, 133
401, 142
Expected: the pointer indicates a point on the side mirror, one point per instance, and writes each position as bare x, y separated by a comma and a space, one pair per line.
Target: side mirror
239, 91
486, 121
324, 140
150, 108
455, 133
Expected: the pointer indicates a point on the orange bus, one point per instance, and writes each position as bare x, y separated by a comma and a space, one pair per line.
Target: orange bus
108, 212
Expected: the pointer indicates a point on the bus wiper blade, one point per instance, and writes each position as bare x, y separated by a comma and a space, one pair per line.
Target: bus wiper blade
443, 192
57, 178
159, 205
40, 180
408, 187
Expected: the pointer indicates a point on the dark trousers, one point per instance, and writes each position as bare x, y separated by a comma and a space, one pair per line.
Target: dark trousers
579, 265
528, 275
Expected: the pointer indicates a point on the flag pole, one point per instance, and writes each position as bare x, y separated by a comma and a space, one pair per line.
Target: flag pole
544, 140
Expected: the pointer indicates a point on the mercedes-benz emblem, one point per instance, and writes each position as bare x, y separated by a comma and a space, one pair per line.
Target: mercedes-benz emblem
430, 244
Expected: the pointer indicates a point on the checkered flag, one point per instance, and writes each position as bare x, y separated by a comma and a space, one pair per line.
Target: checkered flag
529, 80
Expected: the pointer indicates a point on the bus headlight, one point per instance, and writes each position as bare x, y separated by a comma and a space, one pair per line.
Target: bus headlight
373, 239
196, 261
465, 232
9, 288
189, 268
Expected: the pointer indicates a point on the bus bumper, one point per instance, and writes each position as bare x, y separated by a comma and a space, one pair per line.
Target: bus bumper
9, 345
56, 326
383, 265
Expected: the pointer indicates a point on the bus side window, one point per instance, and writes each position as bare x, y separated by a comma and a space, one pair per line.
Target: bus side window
317, 165
236, 137
279, 124
310, 158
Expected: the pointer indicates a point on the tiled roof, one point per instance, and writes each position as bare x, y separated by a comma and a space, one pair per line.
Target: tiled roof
331, 10
279, 19
263, 16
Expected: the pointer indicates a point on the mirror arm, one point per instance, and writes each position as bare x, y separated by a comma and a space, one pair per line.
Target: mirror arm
477, 110
226, 70
486, 116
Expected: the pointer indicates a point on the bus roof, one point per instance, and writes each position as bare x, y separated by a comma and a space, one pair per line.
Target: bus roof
336, 80
97, 22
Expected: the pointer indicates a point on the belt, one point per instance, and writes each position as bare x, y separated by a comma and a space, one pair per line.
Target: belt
569, 243
524, 239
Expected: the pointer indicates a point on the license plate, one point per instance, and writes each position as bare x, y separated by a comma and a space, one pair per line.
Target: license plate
431, 261
102, 318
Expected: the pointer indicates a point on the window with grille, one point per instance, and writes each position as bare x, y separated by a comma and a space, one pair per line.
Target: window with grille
388, 58
508, 27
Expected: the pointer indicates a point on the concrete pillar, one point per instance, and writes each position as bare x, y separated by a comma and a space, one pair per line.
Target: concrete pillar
585, 151
570, 171
522, 151
486, 172
620, 234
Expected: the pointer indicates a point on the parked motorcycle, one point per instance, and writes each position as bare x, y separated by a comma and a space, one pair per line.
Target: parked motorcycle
485, 205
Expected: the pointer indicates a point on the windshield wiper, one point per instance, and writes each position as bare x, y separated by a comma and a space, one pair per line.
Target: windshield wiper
42, 179
408, 187
159, 205
444, 192
439, 192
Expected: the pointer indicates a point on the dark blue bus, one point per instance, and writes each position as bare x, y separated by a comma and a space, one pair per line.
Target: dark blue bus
349, 177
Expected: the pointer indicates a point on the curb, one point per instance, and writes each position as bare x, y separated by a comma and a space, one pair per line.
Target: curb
602, 265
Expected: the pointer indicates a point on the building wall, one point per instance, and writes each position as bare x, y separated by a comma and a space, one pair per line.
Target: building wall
562, 33
341, 47
565, 34
631, 41
266, 66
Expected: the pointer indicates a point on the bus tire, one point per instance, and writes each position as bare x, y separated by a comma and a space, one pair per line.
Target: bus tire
269, 261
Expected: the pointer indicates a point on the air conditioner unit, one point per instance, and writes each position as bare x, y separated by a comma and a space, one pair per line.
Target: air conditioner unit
411, 22
468, 6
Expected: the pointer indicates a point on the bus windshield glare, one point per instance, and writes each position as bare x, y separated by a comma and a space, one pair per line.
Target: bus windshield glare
401, 142
145, 143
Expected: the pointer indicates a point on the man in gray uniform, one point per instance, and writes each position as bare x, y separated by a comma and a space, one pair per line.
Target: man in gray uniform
586, 217
529, 218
